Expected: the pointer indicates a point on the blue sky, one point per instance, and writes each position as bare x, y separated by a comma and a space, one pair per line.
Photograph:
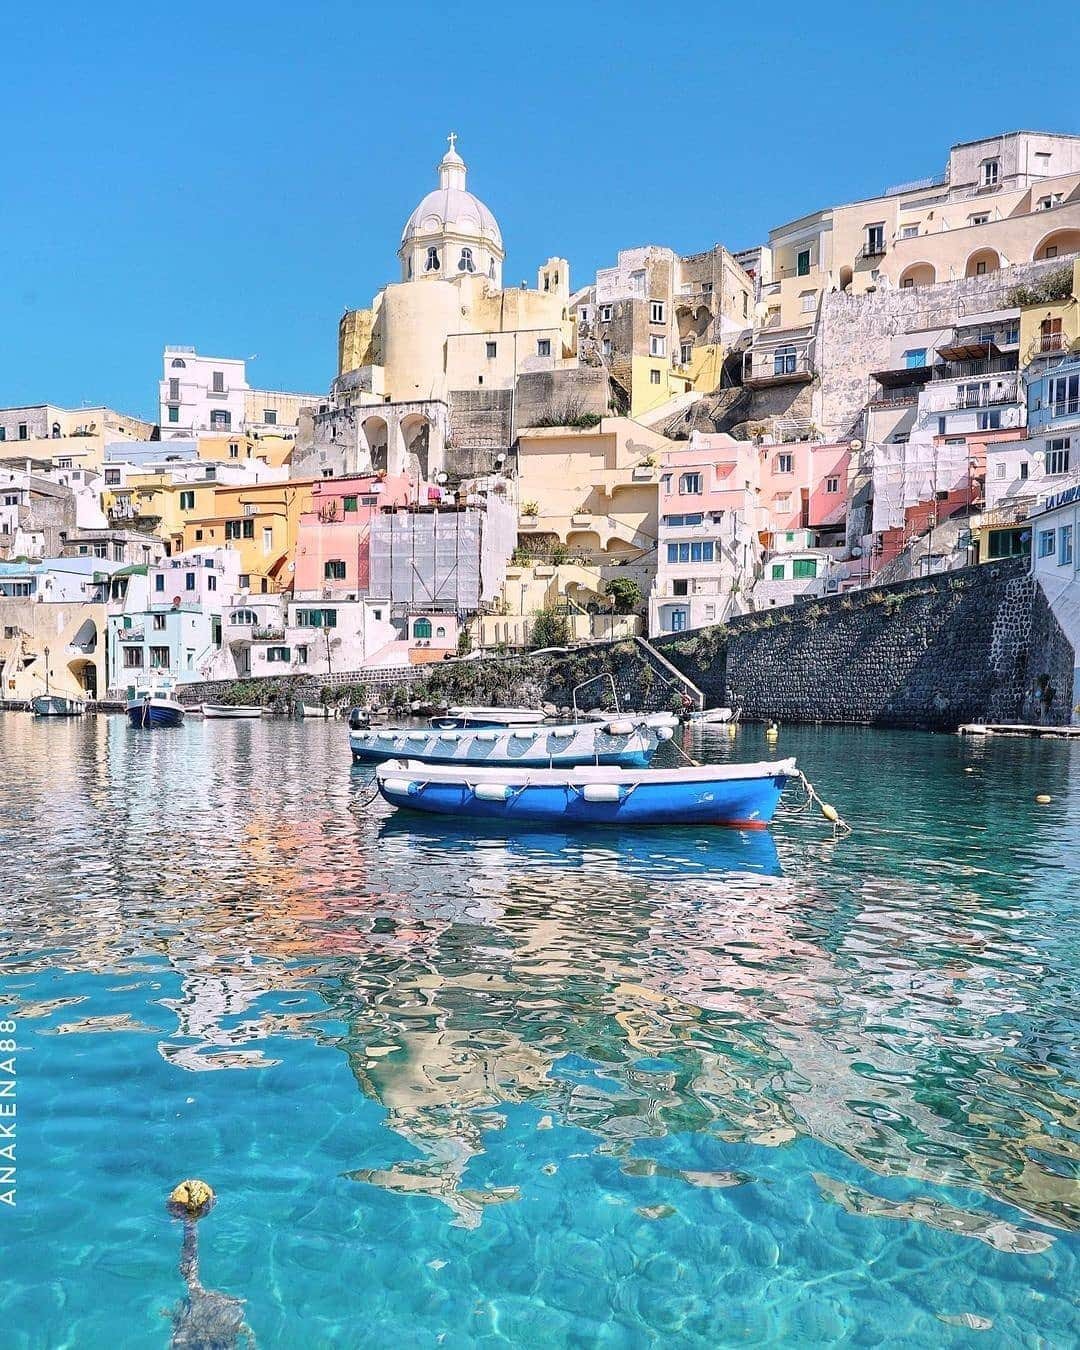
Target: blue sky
234, 176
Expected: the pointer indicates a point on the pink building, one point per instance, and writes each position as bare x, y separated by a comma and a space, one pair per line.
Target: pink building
332, 538
726, 506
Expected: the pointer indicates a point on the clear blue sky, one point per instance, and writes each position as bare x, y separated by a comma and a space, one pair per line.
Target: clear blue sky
235, 175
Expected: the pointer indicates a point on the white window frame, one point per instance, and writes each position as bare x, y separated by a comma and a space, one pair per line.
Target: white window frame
657, 345
990, 172
656, 311
605, 313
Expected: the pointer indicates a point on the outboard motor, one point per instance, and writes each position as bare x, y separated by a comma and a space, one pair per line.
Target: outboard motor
358, 719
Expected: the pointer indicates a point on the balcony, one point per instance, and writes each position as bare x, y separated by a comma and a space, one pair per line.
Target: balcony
873, 248
789, 363
267, 634
984, 397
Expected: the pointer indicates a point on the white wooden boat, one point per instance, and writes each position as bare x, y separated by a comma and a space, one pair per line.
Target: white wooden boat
469, 716
711, 716
619, 741
231, 710
312, 710
57, 705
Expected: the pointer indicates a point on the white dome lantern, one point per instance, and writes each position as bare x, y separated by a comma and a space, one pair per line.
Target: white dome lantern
451, 233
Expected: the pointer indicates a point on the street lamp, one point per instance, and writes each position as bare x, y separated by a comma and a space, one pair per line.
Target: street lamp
46, 672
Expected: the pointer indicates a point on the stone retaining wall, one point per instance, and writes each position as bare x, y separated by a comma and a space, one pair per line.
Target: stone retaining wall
977, 644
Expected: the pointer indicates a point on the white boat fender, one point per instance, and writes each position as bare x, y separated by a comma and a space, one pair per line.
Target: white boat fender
404, 786
487, 735
664, 733
623, 728
605, 792
417, 736
450, 736
492, 792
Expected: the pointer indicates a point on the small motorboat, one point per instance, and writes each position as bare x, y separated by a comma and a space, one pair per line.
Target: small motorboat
743, 796
231, 710
57, 705
711, 716
155, 710
619, 741
463, 716
312, 710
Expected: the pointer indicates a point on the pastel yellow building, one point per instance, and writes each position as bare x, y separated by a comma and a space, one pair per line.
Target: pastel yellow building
226, 447
259, 520
1051, 327
576, 589
449, 324
70, 438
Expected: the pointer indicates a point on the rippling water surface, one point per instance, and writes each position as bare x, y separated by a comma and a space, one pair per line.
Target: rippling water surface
587, 1090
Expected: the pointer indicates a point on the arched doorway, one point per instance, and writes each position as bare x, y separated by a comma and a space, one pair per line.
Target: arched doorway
918, 274
416, 436
1056, 245
376, 436
982, 261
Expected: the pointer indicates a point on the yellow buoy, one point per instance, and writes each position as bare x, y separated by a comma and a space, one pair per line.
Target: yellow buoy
830, 812
731, 730
1043, 798
192, 1197
772, 731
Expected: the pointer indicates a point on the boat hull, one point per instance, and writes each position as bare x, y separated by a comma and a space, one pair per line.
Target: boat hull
237, 710
739, 796
57, 705
614, 742
154, 712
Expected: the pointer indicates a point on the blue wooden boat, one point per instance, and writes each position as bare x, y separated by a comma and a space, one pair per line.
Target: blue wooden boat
154, 710
744, 796
619, 741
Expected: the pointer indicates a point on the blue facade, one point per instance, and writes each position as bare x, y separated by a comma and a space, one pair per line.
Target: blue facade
156, 643
1054, 397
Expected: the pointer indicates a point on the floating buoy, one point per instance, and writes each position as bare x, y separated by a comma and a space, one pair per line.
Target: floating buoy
191, 1198
772, 732
732, 730
830, 813
969, 770
1043, 798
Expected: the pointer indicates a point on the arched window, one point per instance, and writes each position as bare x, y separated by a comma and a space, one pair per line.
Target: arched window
246, 617
178, 364
784, 361
440, 631
422, 628
432, 264
408, 268
491, 269
465, 262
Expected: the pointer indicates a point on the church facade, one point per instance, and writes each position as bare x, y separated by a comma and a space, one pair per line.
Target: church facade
437, 357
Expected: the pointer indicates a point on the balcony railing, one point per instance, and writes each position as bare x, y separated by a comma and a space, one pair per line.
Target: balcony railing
873, 248
267, 634
983, 398
778, 366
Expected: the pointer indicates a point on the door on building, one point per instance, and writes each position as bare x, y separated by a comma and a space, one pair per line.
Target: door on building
1050, 335
678, 620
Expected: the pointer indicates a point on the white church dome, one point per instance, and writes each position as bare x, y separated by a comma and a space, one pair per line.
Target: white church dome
451, 213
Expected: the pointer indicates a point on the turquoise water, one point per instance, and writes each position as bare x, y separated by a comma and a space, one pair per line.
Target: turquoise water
706, 1089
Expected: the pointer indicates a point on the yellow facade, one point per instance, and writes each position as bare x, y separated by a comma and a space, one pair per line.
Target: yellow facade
260, 521
403, 338
575, 588
1052, 327
593, 491
654, 383
77, 438
235, 447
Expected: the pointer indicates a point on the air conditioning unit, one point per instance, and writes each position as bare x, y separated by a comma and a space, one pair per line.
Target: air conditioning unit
249, 508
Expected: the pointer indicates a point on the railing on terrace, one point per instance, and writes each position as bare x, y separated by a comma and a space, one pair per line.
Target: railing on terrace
962, 370
896, 398
983, 397
267, 634
873, 248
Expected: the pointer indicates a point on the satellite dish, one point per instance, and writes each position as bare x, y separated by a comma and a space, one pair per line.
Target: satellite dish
176, 601
856, 551
855, 445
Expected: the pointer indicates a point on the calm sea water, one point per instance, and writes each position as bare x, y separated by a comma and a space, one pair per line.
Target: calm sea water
699, 1089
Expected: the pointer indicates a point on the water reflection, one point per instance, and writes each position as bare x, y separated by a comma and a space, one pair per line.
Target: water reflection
901, 996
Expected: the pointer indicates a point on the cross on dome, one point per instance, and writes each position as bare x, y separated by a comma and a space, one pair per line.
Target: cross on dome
452, 138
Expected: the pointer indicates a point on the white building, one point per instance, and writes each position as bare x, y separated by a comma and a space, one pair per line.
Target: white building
1055, 564
211, 393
